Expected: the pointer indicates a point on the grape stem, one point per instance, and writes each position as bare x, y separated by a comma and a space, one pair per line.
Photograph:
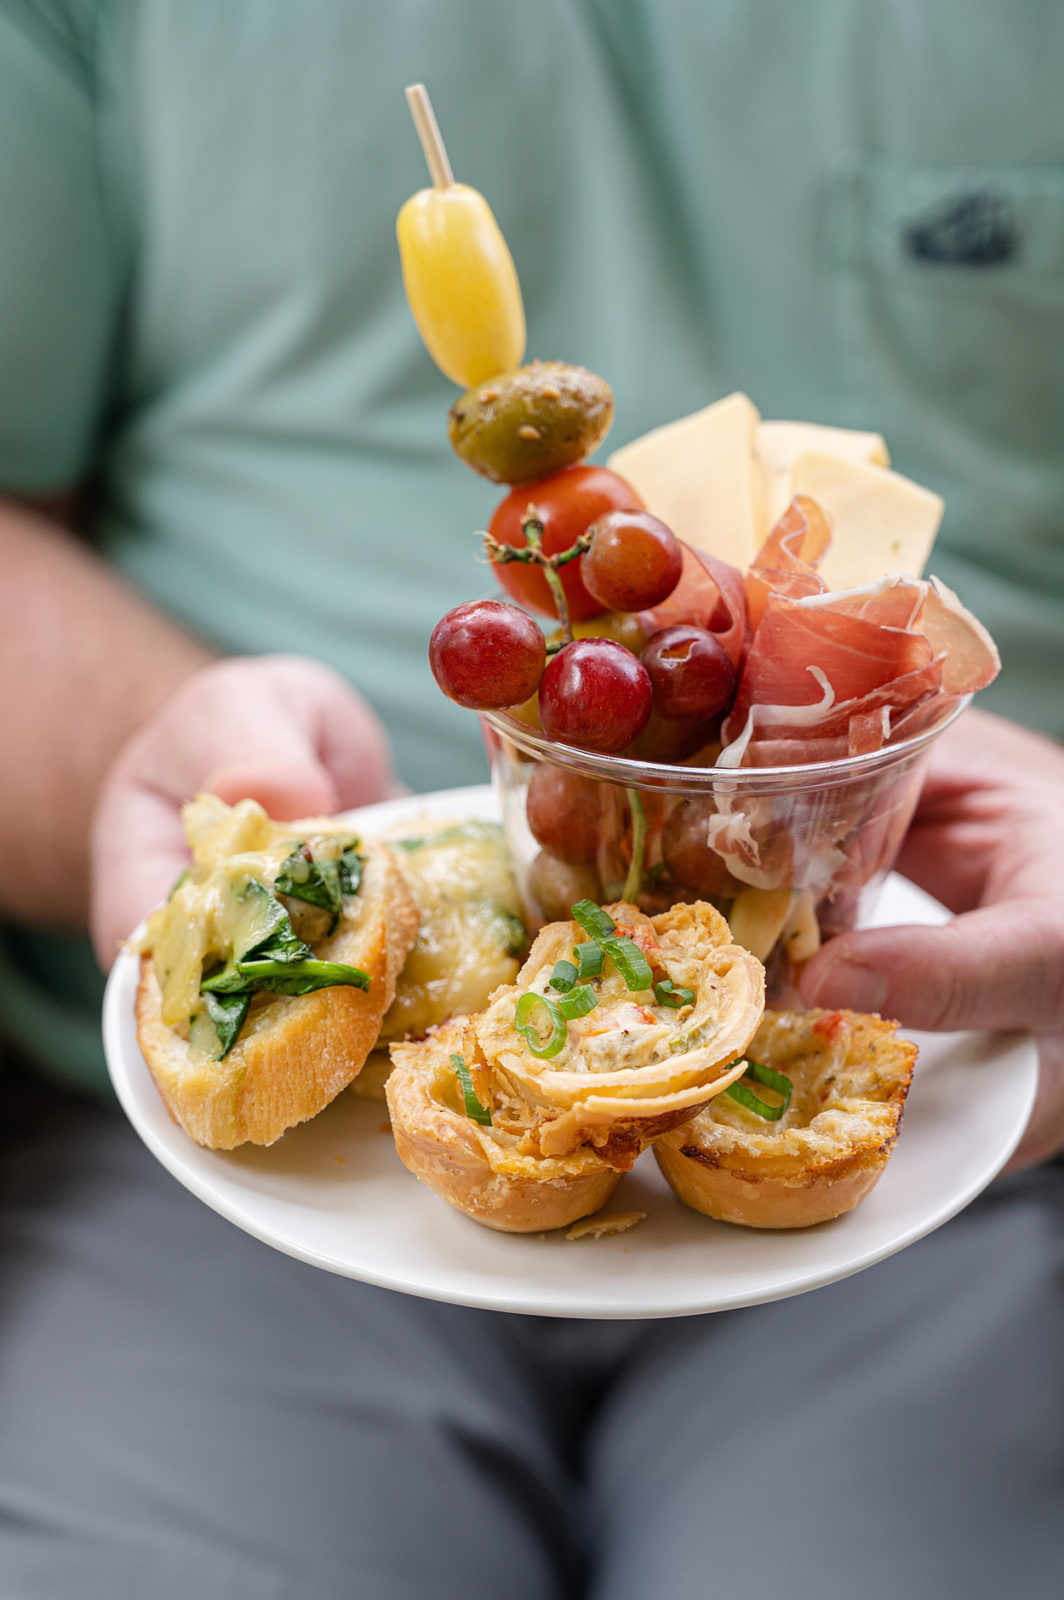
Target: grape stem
634, 881
533, 554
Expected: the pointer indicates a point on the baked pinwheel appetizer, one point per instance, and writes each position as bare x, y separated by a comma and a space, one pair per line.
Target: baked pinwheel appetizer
477, 1159
807, 1133
618, 1028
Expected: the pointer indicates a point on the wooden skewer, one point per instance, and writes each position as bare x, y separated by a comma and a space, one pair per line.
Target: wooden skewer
417, 98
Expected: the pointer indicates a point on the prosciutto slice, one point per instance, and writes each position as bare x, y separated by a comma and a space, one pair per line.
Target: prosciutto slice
787, 561
880, 654
828, 676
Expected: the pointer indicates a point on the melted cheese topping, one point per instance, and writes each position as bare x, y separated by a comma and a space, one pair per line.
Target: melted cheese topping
211, 913
470, 931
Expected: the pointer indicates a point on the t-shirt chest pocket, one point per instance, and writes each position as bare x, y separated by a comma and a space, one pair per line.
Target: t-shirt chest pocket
949, 296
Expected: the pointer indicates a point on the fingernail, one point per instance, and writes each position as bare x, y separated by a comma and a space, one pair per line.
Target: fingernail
844, 984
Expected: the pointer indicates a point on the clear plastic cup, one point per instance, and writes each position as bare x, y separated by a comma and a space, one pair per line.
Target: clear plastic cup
792, 855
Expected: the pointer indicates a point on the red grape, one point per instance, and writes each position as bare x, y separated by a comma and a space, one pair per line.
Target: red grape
563, 812
691, 672
685, 847
487, 655
671, 739
634, 561
596, 695
556, 885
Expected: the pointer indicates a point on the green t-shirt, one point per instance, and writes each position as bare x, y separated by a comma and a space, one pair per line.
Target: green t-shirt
854, 213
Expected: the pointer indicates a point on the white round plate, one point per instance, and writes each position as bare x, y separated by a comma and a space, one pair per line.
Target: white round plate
333, 1192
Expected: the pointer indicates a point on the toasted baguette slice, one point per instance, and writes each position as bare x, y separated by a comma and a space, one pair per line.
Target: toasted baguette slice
483, 1171
851, 1074
294, 1055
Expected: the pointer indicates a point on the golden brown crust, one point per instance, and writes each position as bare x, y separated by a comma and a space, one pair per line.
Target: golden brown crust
851, 1074
294, 1054
481, 1170
619, 1112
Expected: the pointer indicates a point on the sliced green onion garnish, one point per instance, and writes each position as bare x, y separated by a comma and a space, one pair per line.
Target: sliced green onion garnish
563, 977
667, 994
596, 923
535, 1014
588, 961
772, 1080
473, 1108
578, 1003
630, 962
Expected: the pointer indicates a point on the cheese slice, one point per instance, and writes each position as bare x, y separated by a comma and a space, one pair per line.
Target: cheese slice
779, 444
758, 917
721, 479
880, 522
702, 476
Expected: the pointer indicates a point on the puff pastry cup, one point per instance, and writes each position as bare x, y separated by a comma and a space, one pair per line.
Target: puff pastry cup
632, 1068
485, 1171
851, 1074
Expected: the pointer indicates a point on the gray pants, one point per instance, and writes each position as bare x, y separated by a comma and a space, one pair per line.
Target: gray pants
186, 1414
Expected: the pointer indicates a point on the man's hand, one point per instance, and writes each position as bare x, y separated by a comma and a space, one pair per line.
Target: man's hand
282, 730
988, 841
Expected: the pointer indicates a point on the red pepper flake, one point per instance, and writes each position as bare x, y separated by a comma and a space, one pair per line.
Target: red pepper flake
644, 936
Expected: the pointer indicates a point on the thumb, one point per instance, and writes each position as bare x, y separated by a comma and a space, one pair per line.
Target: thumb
996, 968
153, 850
284, 790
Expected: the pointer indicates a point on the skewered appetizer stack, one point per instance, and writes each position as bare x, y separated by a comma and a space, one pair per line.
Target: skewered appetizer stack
727, 596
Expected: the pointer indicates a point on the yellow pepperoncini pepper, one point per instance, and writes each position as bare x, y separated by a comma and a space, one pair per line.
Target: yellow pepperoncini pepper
459, 275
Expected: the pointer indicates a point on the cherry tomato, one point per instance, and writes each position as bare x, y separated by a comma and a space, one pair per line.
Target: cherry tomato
567, 503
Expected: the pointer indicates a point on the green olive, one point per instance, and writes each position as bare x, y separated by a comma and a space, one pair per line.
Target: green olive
531, 422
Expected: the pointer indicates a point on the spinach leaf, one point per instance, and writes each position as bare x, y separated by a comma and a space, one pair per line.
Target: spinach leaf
279, 962
276, 942
228, 1013
320, 883
351, 870
224, 980
267, 917
293, 977
281, 944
